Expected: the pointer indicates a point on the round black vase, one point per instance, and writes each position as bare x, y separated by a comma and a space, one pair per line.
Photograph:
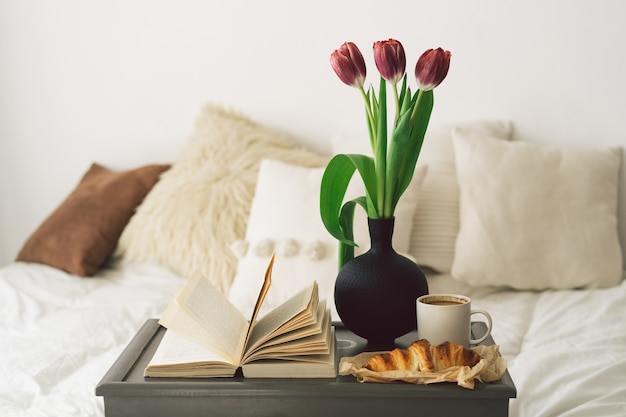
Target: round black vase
375, 293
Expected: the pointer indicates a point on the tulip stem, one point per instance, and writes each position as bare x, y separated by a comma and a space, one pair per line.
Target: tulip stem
371, 123
380, 155
395, 95
417, 104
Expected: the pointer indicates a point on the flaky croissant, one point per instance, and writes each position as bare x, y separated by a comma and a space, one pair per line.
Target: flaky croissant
422, 356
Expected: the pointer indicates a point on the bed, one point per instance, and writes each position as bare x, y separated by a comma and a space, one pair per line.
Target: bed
239, 191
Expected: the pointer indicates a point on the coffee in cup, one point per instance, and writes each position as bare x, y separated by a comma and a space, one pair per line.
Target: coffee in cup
447, 317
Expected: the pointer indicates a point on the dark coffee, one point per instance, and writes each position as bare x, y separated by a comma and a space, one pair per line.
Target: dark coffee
444, 302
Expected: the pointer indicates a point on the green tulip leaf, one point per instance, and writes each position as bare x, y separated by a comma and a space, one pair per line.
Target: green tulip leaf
346, 220
335, 181
421, 113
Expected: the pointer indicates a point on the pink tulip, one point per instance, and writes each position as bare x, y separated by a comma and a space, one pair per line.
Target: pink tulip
390, 60
431, 68
349, 65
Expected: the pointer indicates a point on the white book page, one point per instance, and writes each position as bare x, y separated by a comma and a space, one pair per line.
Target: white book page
291, 344
269, 325
305, 366
174, 318
176, 349
221, 320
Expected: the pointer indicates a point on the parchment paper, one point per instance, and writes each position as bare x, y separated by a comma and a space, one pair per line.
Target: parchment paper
490, 368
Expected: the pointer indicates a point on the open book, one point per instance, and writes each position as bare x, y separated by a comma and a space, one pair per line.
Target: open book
208, 337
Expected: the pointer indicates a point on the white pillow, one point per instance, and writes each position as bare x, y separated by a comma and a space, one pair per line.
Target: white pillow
432, 233
285, 219
536, 216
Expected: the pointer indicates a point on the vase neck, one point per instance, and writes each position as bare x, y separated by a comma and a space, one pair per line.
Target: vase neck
381, 233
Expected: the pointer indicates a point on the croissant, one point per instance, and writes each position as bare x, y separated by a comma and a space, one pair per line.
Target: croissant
424, 357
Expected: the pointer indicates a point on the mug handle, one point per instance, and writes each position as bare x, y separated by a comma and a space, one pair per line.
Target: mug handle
489, 323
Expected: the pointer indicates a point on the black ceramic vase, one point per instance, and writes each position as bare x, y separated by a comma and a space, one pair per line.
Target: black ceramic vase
375, 293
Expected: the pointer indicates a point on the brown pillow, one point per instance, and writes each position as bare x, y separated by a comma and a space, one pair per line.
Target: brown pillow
80, 235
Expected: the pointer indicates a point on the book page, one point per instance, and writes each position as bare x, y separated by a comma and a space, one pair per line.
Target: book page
177, 349
310, 343
296, 334
178, 356
312, 355
305, 366
220, 319
174, 318
267, 281
277, 321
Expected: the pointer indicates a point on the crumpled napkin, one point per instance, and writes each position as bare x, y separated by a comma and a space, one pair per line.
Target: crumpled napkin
490, 368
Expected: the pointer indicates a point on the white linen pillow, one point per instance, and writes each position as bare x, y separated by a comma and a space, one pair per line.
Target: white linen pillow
285, 219
536, 216
435, 222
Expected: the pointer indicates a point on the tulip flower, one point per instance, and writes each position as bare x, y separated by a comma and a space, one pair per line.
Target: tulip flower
390, 60
349, 65
395, 151
431, 68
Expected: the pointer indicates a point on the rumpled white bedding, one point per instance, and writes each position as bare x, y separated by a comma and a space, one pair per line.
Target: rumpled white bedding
59, 334
566, 350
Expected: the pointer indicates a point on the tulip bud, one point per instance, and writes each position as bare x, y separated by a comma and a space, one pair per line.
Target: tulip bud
431, 68
349, 65
390, 60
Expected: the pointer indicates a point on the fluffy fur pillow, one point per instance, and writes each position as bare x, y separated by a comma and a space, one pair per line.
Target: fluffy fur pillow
80, 235
202, 204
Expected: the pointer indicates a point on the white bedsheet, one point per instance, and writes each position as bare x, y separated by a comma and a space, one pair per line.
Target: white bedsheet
566, 350
60, 334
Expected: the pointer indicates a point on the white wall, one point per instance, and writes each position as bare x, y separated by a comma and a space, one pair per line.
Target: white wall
121, 81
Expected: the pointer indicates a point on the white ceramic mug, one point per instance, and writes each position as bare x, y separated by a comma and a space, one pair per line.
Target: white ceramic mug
447, 317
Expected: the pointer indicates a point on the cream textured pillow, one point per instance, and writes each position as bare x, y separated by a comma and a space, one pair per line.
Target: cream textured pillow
535, 216
285, 219
201, 205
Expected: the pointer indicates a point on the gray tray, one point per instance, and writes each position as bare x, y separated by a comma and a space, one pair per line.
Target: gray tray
127, 393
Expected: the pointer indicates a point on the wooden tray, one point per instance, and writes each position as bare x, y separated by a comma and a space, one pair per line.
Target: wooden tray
127, 393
